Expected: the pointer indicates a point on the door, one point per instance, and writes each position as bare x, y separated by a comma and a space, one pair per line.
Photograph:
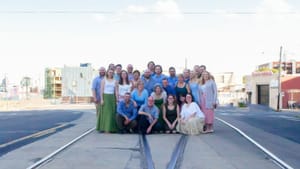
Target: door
263, 94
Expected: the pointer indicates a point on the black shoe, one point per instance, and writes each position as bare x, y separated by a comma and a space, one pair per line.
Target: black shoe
204, 128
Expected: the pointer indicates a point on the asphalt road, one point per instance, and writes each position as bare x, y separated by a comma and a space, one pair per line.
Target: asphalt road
23, 127
276, 131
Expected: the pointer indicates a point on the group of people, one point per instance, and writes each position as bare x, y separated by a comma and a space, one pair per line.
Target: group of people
151, 102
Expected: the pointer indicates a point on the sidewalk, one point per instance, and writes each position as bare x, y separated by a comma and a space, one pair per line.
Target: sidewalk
39, 104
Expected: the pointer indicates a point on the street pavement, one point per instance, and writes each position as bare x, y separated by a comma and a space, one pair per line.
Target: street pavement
224, 149
275, 131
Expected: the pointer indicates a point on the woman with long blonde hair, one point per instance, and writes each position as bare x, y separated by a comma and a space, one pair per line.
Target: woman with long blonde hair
208, 99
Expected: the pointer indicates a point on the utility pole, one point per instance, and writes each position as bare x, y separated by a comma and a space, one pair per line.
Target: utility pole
279, 81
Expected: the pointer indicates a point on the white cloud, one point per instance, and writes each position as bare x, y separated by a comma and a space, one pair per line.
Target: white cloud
273, 11
273, 6
227, 14
168, 9
122, 15
135, 9
164, 10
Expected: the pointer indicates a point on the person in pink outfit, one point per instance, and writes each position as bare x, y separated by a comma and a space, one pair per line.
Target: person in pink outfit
208, 100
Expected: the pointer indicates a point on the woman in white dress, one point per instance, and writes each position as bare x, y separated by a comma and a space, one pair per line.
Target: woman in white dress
124, 86
191, 118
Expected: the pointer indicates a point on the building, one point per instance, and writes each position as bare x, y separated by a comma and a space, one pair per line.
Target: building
231, 88
266, 87
77, 83
290, 67
53, 83
69, 84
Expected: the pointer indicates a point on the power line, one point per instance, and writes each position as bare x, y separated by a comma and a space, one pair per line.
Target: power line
145, 12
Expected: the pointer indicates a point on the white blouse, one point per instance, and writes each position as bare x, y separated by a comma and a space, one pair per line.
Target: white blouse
188, 110
109, 86
124, 88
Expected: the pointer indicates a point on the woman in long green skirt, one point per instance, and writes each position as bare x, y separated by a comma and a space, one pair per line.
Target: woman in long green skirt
107, 118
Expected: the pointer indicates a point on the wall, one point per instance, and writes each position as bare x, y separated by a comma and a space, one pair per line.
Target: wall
263, 78
77, 81
290, 82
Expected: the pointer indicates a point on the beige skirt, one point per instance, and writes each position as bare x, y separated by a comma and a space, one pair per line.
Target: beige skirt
193, 126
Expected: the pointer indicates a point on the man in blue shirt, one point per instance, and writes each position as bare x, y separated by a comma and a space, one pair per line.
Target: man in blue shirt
148, 116
126, 114
96, 86
148, 81
168, 88
172, 79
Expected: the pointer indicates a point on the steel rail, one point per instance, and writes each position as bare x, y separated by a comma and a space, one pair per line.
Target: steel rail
45, 159
146, 152
278, 161
177, 154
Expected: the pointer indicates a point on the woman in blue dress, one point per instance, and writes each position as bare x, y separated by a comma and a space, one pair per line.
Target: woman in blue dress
194, 83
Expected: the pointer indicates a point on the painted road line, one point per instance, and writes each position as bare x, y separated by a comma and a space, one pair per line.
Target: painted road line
274, 157
45, 159
35, 135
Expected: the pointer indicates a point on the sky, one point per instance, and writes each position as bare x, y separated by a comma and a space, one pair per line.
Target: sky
226, 36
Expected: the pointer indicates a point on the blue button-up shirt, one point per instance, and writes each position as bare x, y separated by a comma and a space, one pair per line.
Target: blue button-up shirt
96, 86
153, 111
172, 81
129, 111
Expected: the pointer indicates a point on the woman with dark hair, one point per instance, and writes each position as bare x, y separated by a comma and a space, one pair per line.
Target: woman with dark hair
124, 85
150, 66
136, 79
191, 118
170, 112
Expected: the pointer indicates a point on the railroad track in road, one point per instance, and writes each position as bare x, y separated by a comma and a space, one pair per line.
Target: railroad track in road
148, 150
146, 161
48, 157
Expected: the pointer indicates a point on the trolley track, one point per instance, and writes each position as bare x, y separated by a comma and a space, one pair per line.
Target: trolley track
141, 153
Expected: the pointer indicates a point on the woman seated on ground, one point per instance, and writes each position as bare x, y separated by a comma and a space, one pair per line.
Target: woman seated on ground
170, 114
192, 118
160, 97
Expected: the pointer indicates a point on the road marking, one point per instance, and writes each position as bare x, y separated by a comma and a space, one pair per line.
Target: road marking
35, 135
291, 118
45, 159
232, 114
274, 157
